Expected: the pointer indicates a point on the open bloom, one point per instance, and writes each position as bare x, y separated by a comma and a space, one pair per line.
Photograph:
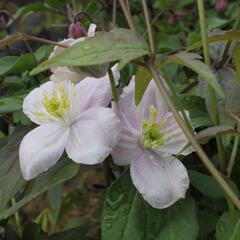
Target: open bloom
72, 118
150, 136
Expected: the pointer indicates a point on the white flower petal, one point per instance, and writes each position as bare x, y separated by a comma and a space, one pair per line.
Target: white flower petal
161, 180
175, 138
128, 148
93, 135
96, 92
91, 30
41, 148
34, 108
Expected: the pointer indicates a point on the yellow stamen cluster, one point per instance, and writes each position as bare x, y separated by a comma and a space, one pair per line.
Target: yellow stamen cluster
58, 103
152, 136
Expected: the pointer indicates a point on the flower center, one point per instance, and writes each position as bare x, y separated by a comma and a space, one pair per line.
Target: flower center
58, 104
152, 136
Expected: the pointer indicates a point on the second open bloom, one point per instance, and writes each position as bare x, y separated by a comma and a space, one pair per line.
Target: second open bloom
150, 137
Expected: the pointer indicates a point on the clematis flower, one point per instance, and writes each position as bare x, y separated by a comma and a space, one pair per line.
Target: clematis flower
150, 137
72, 118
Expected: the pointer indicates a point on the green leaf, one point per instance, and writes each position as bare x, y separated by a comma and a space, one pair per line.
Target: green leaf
231, 35
215, 22
64, 170
11, 104
192, 61
127, 216
13, 64
208, 186
227, 228
118, 45
10, 174
142, 79
236, 59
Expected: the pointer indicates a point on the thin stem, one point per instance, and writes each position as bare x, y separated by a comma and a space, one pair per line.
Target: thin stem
114, 13
43, 40
234, 154
191, 138
228, 45
113, 87
17, 217
127, 15
211, 93
149, 29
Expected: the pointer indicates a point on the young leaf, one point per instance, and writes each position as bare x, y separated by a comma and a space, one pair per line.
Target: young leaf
142, 79
193, 62
118, 45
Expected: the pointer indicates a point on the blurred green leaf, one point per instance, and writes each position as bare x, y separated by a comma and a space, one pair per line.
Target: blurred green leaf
33, 231
236, 59
231, 35
13, 64
208, 186
119, 44
192, 61
11, 104
64, 170
227, 228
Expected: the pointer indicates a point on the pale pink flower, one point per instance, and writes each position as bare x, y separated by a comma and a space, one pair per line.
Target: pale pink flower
72, 118
150, 137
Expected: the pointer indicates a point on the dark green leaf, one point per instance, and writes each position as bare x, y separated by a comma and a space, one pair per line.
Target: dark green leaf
236, 59
11, 104
10, 174
118, 45
33, 231
61, 172
142, 80
127, 216
208, 186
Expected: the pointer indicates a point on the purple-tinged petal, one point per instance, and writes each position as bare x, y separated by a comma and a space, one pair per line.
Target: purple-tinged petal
93, 135
128, 148
162, 180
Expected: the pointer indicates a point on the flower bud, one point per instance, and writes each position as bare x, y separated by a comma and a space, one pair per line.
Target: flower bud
221, 5
76, 30
3, 22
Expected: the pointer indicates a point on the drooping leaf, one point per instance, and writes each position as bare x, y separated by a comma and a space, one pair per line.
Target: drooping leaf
14, 64
10, 174
127, 216
192, 61
61, 172
231, 35
208, 186
118, 45
142, 80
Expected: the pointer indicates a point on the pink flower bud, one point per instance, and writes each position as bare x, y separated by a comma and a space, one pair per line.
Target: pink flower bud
3, 22
221, 5
176, 17
76, 30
